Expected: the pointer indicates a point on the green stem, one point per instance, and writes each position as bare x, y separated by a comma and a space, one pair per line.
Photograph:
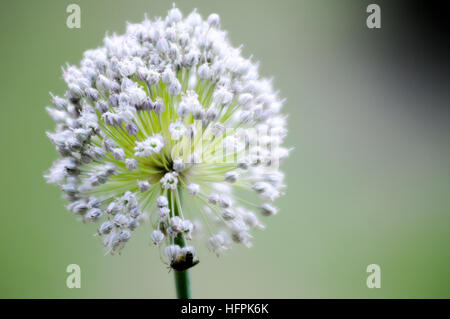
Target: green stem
182, 282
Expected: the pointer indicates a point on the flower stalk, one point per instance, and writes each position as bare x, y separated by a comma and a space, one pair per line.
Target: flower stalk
182, 280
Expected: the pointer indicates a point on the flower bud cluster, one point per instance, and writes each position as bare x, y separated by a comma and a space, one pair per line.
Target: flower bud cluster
139, 127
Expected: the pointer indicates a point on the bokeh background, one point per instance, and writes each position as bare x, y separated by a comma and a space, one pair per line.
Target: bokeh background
368, 180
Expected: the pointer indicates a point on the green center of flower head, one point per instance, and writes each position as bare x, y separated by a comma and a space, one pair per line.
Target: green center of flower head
169, 124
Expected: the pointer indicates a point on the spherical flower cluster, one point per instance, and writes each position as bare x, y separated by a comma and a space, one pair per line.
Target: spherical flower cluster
169, 124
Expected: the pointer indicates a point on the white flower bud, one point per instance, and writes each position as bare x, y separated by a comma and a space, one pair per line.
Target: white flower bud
101, 106
175, 87
224, 201
191, 131
176, 223
162, 45
113, 208
168, 76
57, 115
190, 59
245, 99
187, 250
127, 68
94, 214
75, 92
58, 102
183, 110
214, 198
169, 181
178, 165
153, 77
268, 210
174, 15
157, 237
203, 71
105, 228
132, 129
134, 212
163, 212
120, 220
217, 129
144, 186
119, 154
222, 96
133, 223
213, 19
242, 237
184, 39
124, 235
92, 94
172, 252
251, 220
228, 214
186, 226
162, 201
108, 144
177, 130
78, 207
159, 106
211, 114
193, 189
231, 177
151, 145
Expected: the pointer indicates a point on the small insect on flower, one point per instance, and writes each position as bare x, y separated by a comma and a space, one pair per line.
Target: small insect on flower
181, 258
169, 124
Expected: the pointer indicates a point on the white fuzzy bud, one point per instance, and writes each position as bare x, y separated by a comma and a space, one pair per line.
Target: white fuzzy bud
105, 228
231, 177
178, 165
144, 186
94, 214
214, 198
176, 223
118, 154
157, 237
169, 181
162, 201
177, 130
163, 212
213, 19
203, 71
193, 189
222, 96
174, 15
153, 77
124, 235
162, 45
268, 210
127, 68
175, 87
120, 220
172, 252
113, 208
159, 106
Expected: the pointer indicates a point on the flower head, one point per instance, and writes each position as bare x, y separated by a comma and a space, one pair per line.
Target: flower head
169, 122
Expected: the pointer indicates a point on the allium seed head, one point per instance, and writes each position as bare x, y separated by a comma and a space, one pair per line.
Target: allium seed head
168, 123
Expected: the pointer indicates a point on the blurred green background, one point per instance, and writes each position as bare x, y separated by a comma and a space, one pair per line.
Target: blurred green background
368, 180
